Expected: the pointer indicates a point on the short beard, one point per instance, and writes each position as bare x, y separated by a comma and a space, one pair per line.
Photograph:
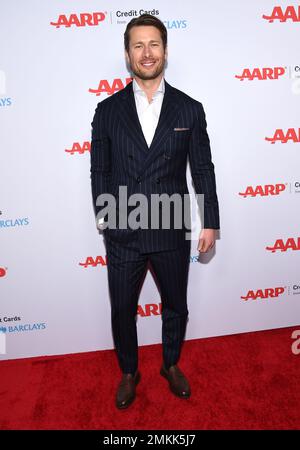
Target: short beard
143, 76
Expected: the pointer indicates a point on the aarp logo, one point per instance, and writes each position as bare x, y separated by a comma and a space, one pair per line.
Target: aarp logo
109, 88
261, 74
283, 246
150, 309
94, 262
79, 148
290, 135
79, 20
263, 293
291, 13
263, 190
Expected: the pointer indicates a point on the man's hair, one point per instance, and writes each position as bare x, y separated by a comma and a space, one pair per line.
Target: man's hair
148, 20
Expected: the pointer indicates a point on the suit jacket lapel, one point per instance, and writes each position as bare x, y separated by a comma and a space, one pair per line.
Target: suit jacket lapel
130, 119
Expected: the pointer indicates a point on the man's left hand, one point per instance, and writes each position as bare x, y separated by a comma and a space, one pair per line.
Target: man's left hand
207, 240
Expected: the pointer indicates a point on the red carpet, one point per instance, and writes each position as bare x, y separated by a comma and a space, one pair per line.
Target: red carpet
245, 381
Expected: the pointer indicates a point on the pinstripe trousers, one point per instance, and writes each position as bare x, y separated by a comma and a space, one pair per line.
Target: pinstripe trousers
127, 268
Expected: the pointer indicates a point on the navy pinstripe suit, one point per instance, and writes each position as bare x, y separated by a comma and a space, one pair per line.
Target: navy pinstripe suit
120, 157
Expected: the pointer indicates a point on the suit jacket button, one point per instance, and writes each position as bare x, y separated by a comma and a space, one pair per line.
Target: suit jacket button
139, 179
130, 156
157, 180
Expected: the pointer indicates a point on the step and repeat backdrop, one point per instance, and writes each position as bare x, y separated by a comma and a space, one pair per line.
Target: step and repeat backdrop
58, 59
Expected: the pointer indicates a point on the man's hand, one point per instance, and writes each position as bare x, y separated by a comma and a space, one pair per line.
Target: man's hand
207, 239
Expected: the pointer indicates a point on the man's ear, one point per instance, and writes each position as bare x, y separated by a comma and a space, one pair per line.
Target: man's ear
126, 56
166, 53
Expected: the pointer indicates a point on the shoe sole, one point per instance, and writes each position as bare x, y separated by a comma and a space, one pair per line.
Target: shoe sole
137, 380
163, 374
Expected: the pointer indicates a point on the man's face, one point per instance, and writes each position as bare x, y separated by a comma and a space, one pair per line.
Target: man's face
146, 55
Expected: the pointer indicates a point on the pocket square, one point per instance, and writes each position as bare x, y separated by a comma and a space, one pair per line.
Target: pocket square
181, 129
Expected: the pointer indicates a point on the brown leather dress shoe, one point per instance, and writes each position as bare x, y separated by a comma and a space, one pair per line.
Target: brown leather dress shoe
178, 384
126, 389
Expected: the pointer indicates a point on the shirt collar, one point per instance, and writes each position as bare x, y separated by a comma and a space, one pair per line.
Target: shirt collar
160, 89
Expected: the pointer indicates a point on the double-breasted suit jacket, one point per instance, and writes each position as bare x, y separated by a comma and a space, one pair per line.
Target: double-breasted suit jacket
120, 156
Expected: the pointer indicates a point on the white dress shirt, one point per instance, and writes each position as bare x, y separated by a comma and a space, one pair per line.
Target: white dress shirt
148, 113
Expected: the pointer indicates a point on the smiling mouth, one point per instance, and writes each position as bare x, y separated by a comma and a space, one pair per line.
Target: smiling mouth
148, 64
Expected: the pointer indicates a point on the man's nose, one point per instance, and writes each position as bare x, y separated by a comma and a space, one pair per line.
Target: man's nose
147, 51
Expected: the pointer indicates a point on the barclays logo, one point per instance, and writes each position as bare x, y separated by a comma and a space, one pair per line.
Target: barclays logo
5, 101
14, 222
175, 24
23, 328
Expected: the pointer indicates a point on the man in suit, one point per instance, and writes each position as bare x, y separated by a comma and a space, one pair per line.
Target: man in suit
141, 139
